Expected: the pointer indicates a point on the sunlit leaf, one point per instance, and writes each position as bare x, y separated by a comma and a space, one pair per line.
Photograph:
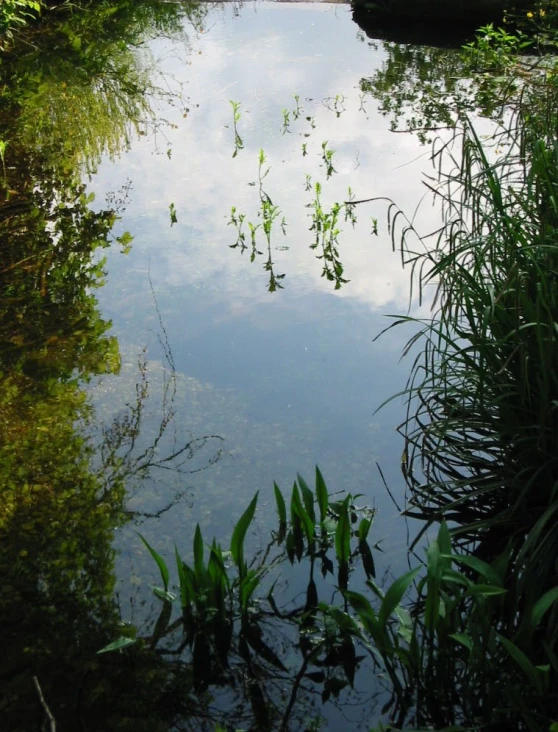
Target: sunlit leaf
485, 590
299, 512
164, 594
464, 639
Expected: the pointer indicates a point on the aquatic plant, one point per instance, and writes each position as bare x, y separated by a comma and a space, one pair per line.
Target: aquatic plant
269, 213
435, 633
235, 622
481, 429
238, 143
325, 225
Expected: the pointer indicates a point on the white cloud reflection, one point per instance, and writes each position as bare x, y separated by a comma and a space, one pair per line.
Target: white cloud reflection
273, 54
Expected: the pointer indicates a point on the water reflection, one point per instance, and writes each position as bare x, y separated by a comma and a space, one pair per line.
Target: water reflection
60, 506
289, 382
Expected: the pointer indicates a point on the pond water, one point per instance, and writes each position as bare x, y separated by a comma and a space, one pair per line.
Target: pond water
290, 378
268, 367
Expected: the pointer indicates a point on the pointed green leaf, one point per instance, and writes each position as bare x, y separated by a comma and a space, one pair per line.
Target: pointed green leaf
365, 612
184, 595
343, 534
484, 569
216, 565
464, 639
405, 629
281, 511
239, 534
164, 594
394, 595
434, 562
485, 590
299, 512
525, 664
163, 569
307, 497
444, 539
364, 528
542, 605
247, 587
321, 495
198, 554
117, 645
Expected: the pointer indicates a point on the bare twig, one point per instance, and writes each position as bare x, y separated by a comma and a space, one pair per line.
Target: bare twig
45, 705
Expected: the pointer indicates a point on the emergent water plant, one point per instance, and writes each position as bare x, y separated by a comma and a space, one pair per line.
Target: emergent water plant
442, 652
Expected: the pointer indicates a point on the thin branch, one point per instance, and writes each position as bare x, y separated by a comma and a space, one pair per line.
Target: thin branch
45, 705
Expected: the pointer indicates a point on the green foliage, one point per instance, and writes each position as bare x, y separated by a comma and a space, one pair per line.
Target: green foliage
238, 143
230, 620
325, 225
239, 535
14, 14
269, 213
437, 628
426, 89
480, 432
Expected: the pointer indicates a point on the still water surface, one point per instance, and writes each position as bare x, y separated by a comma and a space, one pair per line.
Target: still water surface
292, 378
265, 367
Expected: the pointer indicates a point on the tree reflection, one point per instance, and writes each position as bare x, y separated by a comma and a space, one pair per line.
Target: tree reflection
72, 90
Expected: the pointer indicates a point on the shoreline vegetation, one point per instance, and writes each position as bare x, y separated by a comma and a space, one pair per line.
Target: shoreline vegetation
467, 639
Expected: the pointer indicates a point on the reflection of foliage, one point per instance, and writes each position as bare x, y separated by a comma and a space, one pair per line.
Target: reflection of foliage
481, 430
128, 453
423, 88
13, 15
70, 90
48, 311
81, 82
324, 226
272, 659
447, 658
269, 214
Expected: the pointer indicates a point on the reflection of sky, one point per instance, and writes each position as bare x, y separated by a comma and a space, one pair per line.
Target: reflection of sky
294, 378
